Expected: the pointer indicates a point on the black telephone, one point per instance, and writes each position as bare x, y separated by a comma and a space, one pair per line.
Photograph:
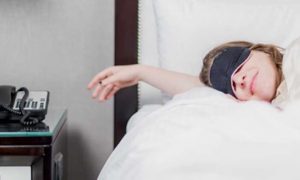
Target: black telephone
27, 107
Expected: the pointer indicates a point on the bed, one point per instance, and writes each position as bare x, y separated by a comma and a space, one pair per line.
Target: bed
162, 33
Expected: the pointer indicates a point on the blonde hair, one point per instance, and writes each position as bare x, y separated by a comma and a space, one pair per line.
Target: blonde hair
274, 51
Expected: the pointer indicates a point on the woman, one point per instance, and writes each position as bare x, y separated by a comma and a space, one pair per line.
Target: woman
241, 69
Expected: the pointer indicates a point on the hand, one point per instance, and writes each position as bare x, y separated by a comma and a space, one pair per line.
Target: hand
107, 82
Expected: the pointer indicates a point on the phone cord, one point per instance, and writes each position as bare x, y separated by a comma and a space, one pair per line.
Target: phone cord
10, 110
21, 111
26, 119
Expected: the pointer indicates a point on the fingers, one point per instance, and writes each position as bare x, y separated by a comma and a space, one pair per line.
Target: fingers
103, 85
103, 93
109, 81
112, 92
99, 77
97, 91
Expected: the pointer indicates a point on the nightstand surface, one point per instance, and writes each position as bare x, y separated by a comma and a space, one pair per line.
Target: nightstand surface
48, 127
43, 133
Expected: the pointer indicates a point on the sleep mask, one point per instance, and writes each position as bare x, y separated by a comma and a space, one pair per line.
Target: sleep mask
225, 65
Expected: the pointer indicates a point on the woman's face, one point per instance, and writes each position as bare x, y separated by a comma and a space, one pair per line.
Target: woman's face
256, 79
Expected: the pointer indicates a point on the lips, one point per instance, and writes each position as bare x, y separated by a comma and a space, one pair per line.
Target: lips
252, 84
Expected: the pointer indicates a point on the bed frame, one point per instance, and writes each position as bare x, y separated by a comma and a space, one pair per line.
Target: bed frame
126, 28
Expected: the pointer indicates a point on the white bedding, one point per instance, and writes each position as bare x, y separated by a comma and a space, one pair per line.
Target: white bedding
142, 112
203, 134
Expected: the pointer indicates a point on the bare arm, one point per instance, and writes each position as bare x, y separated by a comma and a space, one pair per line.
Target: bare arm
109, 81
170, 82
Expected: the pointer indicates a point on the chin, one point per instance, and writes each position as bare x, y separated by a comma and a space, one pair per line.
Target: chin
265, 95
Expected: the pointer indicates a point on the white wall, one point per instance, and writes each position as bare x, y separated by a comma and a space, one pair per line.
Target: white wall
59, 45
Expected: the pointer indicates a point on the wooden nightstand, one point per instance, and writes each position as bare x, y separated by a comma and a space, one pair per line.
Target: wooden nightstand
42, 147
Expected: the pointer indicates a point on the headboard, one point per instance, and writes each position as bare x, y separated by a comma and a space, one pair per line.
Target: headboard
125, 53
186, 30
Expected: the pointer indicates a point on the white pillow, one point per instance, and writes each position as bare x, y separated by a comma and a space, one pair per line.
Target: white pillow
188, 29
291, 70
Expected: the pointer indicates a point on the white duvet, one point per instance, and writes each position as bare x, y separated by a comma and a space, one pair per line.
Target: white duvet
202, 134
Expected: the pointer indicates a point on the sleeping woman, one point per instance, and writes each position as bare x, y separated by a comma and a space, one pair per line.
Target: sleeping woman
243, 70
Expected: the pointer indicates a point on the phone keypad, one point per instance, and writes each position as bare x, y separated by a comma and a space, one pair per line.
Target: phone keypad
18, 103
35, 101
34, 105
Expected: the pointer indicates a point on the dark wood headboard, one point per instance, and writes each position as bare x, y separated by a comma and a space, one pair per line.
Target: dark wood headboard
126, 27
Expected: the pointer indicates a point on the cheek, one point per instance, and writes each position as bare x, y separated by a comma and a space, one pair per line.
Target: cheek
266, 85
242, 95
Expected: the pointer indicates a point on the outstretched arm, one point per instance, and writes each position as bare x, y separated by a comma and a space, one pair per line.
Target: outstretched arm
110, 80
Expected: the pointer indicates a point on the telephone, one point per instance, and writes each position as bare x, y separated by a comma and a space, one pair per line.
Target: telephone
22, 105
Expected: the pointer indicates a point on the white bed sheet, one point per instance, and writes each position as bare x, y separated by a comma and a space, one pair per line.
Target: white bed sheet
202, 134
144, 111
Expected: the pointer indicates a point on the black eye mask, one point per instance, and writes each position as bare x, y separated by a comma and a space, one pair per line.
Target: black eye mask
224, 65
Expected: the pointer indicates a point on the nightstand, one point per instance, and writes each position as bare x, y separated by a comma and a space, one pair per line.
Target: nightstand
41, 147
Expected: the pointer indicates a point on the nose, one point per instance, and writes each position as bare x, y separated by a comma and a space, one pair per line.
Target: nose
239, 80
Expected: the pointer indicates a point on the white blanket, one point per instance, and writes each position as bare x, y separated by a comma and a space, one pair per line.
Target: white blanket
203, 134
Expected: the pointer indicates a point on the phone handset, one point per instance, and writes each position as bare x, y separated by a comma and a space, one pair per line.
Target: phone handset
25, 119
